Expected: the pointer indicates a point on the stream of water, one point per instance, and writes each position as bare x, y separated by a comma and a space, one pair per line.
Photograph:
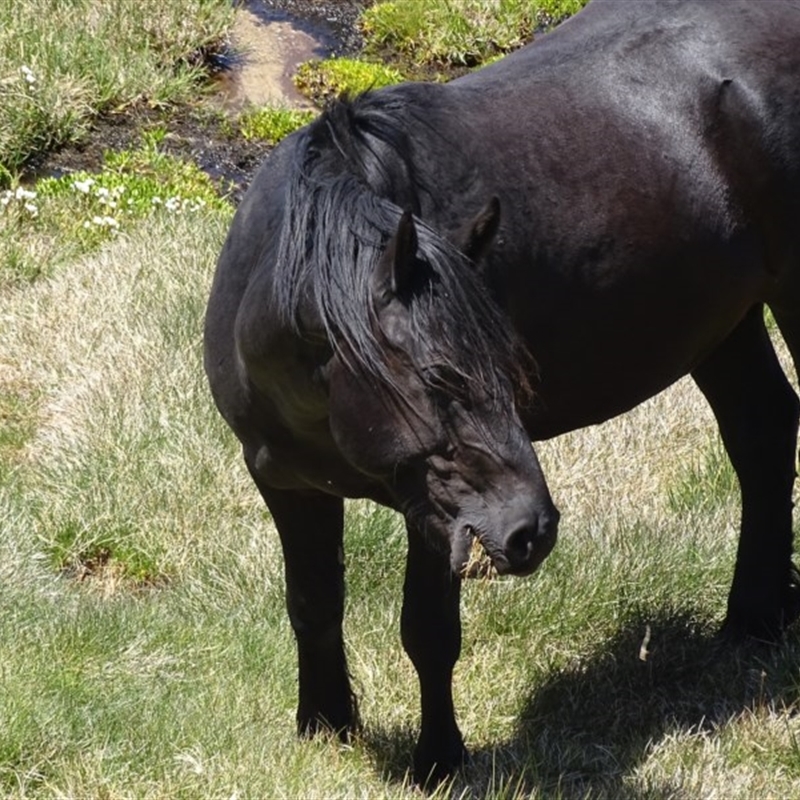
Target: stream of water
270, 40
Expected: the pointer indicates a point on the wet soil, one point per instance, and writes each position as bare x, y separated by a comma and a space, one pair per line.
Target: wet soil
273, 37
334, 19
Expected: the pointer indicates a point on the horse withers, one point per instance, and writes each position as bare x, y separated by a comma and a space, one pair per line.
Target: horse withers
428, 277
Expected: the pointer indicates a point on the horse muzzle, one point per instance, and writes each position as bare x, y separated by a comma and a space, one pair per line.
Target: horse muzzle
525, 544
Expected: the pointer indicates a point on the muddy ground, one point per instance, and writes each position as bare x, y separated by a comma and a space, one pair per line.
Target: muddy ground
199, 132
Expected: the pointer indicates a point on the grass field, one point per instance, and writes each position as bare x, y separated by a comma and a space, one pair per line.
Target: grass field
62, 63
144, 648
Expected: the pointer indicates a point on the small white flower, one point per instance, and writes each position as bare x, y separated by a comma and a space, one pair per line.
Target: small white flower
83, 186
32, 209
173, 204
104, 222
87, 224
102, 192
27, 74
156, 201
24, 194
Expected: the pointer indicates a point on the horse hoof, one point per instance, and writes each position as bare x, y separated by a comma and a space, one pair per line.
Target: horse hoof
344, 722
431, 771
767, 624
749, 628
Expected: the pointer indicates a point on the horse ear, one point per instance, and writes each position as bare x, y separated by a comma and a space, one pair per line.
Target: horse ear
475, 238
398, 260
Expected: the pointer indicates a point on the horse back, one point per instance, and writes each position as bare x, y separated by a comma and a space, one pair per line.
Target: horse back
646, 150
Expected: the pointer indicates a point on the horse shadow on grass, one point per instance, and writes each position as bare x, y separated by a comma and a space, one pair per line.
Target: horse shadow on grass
592, 723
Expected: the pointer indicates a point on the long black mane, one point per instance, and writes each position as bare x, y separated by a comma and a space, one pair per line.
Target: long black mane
353, 175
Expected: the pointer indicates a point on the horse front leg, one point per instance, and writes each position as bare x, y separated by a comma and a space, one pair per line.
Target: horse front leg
431, 632
757, 412
310, 526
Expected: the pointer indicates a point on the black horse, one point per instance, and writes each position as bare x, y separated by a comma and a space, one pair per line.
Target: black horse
429, 277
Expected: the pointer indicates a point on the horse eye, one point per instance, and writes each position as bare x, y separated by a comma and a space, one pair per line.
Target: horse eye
449, 382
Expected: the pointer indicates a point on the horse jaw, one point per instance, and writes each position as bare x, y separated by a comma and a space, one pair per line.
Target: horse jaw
460, 549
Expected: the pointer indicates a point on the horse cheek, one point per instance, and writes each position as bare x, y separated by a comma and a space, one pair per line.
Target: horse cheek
359, 427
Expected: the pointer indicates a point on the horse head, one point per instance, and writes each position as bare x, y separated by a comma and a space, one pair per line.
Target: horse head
437, 423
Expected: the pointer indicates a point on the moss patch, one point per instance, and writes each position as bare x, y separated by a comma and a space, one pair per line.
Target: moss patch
461, 32
323, 80
270, 125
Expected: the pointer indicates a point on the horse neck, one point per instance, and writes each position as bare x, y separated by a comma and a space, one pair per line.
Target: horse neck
409, 146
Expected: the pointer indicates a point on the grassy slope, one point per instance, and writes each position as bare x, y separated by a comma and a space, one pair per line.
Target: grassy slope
186, 688
168, 670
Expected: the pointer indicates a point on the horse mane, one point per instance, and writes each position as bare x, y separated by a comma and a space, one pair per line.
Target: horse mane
353, 176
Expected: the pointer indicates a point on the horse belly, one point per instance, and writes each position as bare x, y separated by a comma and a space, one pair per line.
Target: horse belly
602, 354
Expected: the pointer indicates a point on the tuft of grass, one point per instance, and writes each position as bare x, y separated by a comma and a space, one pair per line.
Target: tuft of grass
458, 32
106, 552
705, 483
272, 124
62, 64
323, 80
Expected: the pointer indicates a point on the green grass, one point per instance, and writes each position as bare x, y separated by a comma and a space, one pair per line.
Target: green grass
324, 80
271, 124
458, 32
62, 63
144, 647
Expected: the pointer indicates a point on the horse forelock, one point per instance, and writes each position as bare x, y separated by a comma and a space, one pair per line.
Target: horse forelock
339, 215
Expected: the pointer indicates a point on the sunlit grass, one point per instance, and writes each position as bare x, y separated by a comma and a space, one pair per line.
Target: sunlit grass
271, 124
168, 669
144, 646
324, 80
63, 63
458, 32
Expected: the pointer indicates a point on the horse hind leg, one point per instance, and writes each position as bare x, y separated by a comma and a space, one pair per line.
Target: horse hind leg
757, 411
788, 319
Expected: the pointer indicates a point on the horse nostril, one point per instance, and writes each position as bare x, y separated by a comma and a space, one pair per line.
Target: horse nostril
519, 546
531, 542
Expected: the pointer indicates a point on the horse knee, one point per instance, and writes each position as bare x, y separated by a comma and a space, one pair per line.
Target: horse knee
764, 442
787, 410
430, 625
